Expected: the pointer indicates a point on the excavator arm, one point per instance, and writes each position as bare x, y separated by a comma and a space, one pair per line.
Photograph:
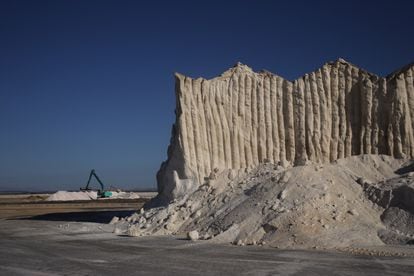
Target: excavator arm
101, 192
97, 178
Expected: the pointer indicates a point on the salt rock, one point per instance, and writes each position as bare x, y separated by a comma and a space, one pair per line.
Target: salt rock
133, 231
117, 231
114, 220
227, 236
196, 214
282, 195
362, 181
193, 235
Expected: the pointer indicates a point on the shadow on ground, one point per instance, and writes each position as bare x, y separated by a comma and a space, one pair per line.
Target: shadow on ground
97, 216
408, 167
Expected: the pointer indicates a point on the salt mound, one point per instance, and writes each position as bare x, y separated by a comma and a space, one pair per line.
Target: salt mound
68, 196
89, 195
300, 207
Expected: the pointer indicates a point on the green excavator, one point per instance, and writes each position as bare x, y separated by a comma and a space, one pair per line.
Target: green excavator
101, 192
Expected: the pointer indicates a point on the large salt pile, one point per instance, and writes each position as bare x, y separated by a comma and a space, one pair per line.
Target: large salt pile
124, 195
89, 195
69, 196
220, 182
301, 207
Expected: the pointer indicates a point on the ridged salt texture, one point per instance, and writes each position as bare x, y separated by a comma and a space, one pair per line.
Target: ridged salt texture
243, 118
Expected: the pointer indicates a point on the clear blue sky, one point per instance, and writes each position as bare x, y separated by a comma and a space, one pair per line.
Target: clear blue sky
89, 84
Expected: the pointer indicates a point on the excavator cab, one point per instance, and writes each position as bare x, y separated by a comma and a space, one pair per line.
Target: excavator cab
101, 192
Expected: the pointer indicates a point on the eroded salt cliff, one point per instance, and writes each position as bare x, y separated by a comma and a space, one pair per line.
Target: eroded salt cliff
243, 118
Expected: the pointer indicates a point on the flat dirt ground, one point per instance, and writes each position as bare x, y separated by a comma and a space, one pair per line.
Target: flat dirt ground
29, 205
74, 238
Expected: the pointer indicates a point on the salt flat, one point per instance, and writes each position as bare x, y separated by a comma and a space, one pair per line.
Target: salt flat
42, 247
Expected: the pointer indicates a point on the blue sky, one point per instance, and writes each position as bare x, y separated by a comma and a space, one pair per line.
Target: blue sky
89, 84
